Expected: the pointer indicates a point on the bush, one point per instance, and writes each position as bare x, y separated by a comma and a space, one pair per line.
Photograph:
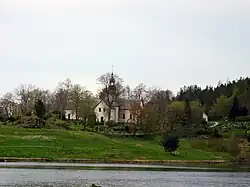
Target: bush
170, 143
203, 122
243, 118
110, 123
13, 119
214, 145
62, 124
31, 122
234, 146
47, 116
209, 132
216, 134
127, 130
248, 138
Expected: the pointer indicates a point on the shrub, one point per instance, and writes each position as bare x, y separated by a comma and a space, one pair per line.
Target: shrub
56, 112
170, 143
31, 122
217, 144
244, 155
203, 122
248, 138
209, 132
234, 146
243, 118
47, 116
199, 144
126, 128
110, 123
62, 124
13, 119
216, 134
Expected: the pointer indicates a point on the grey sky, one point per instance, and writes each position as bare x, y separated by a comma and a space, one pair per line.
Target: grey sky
162, 43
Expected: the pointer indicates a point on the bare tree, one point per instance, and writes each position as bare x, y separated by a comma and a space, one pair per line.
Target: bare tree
76, 95
87, 103
62, 95
127, 92
139, 92
7, 102
48, 100
161, 99
111, 91
24, 95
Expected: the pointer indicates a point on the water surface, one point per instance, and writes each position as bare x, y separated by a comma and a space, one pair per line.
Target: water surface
52, 177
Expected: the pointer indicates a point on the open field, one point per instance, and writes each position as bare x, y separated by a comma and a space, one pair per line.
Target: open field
62, 144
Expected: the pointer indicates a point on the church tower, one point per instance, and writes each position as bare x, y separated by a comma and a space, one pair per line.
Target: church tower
112, 86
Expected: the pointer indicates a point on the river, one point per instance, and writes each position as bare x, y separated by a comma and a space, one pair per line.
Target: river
109, 178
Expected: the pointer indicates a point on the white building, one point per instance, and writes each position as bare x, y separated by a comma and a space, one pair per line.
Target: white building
124, 112
205, 116
70, 114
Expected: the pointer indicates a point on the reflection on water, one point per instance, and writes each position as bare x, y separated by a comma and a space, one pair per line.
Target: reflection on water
42, 177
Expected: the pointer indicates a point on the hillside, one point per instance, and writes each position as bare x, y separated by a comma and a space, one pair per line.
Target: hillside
59, 144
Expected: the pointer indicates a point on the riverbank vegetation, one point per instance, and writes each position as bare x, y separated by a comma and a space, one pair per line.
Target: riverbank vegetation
205, 124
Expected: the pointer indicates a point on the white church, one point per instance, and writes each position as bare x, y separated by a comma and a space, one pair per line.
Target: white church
124, 112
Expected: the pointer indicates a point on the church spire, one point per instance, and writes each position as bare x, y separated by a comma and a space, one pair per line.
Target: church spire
112, 81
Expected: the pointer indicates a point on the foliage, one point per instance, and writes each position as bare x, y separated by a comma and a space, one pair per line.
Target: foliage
187, 120
149, 121
40, 109
242, 118
197, 110
75, 97
170, 143
62, 124
234, 109
221, 108
209, 132
244, 155
31, 122
220, 96
86, 109
110, 123
175, 112
215, 144
203, 122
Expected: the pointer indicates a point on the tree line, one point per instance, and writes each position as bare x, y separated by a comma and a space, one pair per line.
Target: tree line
162, 109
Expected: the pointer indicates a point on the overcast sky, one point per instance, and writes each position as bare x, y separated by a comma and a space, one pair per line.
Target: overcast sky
162, 43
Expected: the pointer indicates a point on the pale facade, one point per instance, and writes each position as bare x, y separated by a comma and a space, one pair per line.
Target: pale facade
70, 114
205, 116
119, 114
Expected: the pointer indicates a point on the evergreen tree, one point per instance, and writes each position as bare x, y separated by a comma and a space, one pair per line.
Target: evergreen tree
170, 143
187, 114
40, 112
40, 109
234, 112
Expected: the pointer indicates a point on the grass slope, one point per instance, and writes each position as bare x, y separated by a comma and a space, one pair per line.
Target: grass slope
58, 144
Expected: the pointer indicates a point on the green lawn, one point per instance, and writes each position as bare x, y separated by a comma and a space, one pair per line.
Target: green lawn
58, 144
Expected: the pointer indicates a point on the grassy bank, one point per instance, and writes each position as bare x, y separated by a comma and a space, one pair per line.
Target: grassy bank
59, 144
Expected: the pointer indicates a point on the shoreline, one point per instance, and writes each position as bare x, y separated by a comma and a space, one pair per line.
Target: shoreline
128, 165
114, 161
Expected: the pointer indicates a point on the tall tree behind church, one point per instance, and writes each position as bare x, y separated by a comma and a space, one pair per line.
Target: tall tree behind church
111, 90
